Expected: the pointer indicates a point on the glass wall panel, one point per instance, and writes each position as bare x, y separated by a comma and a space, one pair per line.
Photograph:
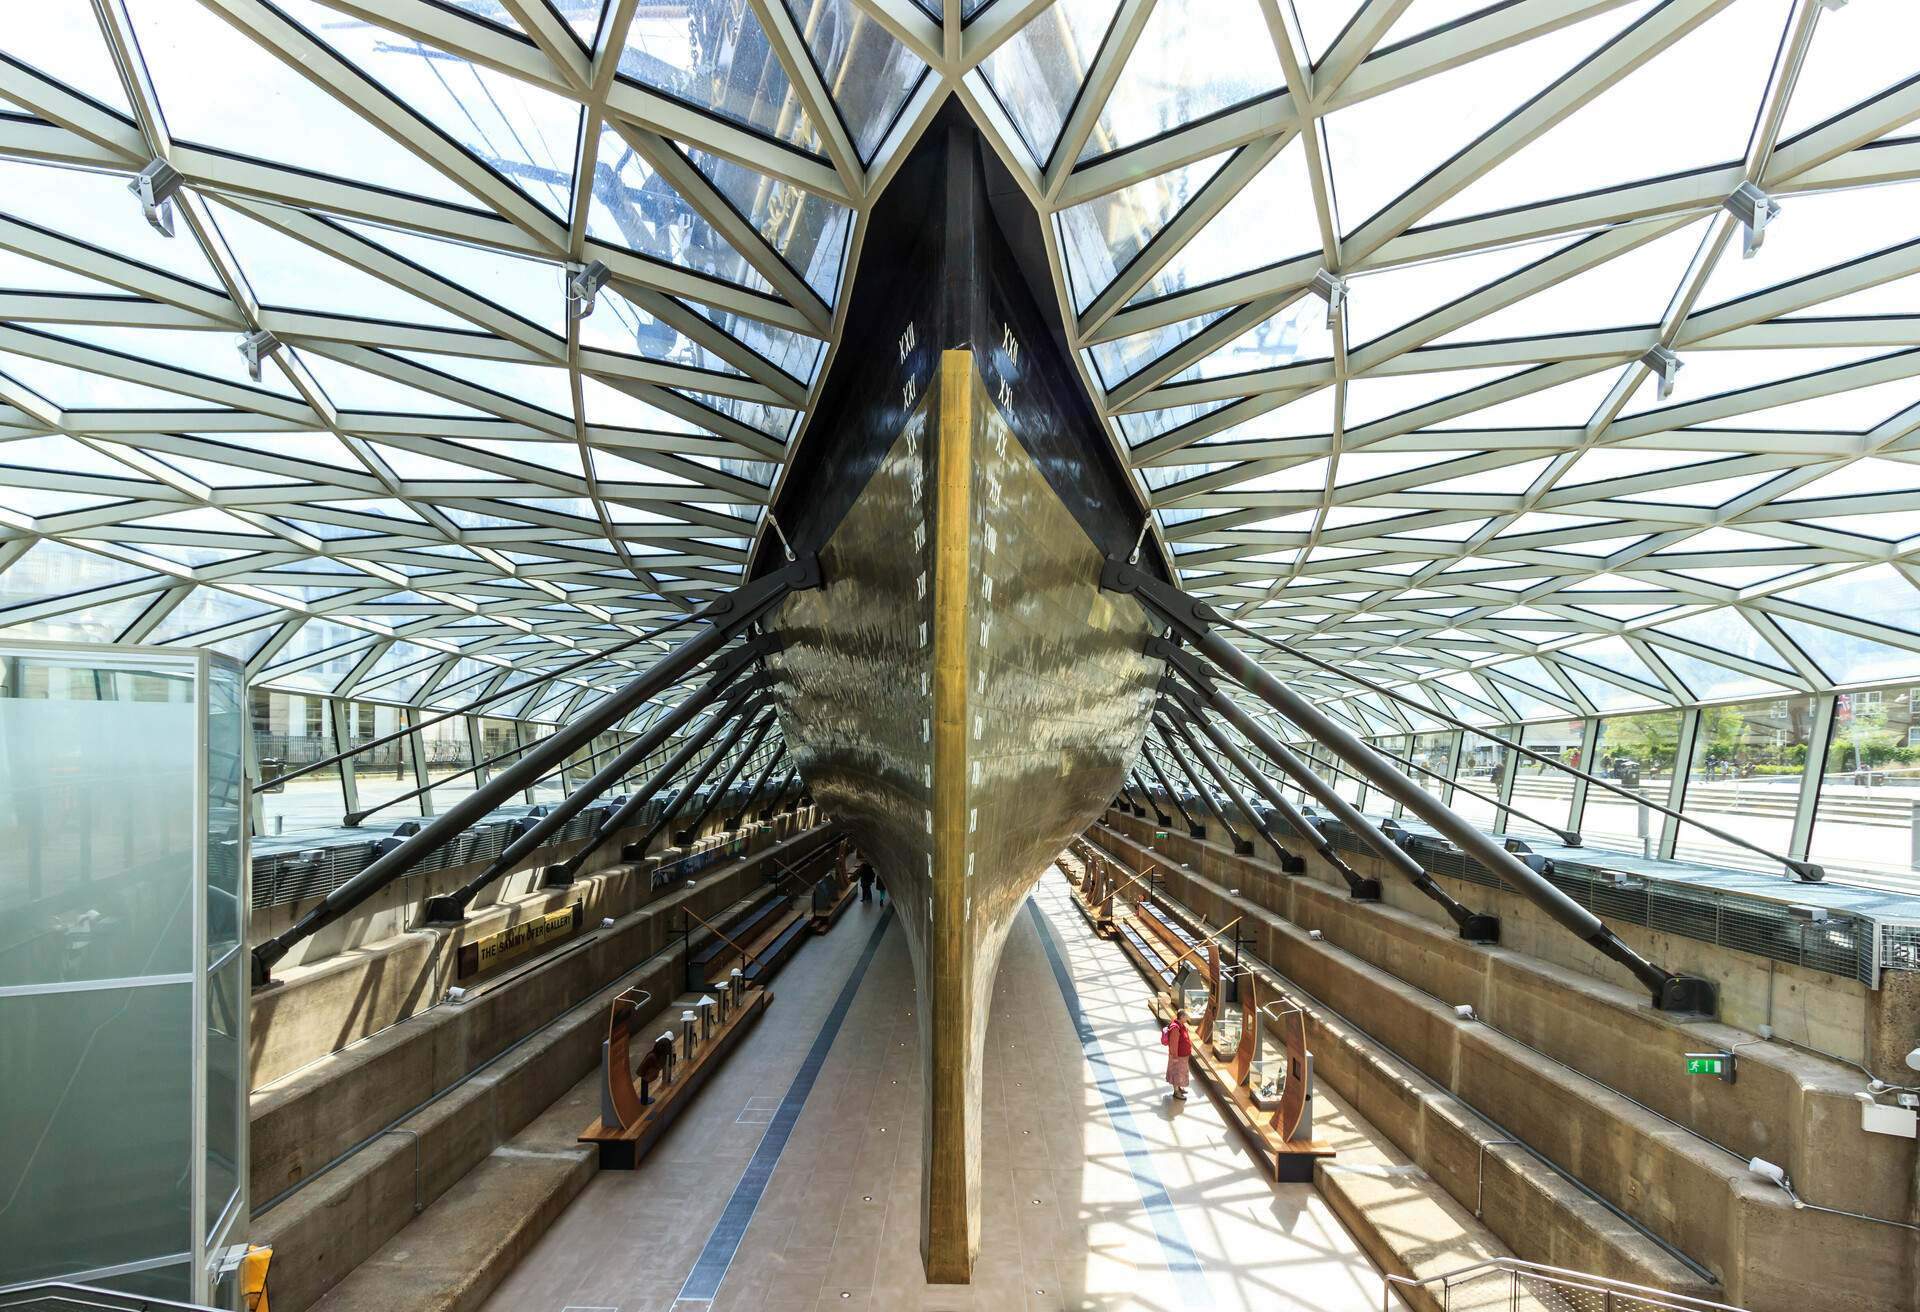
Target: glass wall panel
1479, 771
448, 751
1636, 752
497, 737
88, 1184
1869, 805
96, 820
1431, 752
1541, 791
1400, 746
291, 730
1745, 779
384, 772
548, 790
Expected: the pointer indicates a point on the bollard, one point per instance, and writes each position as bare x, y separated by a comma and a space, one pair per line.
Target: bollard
686, 1032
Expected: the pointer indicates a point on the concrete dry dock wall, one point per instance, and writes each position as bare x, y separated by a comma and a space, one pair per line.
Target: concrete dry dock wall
311, 1116
1399, 975
350, 982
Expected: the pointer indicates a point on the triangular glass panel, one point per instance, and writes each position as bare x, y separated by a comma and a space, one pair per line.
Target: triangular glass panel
1726, 629
1848, 658
544, 386
1295, 335
1100, 237
1815, 232
61, 39
97, 209
1379, 302
535, 290
1123, 357
77, 389
1631, 289
1037, 73
1705, 679
1372, 398
1371, 145
521, 132
213, 354
353, 388
1717, 373
257, 105
1853, 58
715, 55
1270, 220
286, 272
1563, 405
633, 206
1193, 58
1718, 71
868, 73
809, 231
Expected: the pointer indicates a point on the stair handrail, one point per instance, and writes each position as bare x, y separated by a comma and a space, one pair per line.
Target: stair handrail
1515, 1268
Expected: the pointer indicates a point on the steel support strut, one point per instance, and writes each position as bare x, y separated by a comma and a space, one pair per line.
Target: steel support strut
1474, 927
1171, 741
1147, 794
759, 782
737, 703
724, 617
700, 776
780, 793
1178, 718
692, 831
1195, 621
451, 907
1196, 830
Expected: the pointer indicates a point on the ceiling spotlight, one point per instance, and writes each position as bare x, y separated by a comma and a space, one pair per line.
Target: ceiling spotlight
255, 347
155, 185
1666, 365
584, 281
1755, 209
1331, 288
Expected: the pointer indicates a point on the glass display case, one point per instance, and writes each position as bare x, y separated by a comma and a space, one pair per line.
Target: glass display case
123, 979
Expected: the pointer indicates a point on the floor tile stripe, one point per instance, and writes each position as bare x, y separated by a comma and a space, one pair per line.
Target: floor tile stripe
703, 1282
1181, 1262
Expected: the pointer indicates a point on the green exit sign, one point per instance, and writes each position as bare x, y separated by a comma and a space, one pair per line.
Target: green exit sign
1717, 1064
1159, 833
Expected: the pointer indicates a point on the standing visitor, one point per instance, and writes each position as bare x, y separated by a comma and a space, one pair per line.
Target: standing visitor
865, 874
1178, 1041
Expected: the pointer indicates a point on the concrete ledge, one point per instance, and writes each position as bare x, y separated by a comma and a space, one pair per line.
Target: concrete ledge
1404, 1222
1788, 1105
1430, 1095
320, 1007
326, 1230
458, 1251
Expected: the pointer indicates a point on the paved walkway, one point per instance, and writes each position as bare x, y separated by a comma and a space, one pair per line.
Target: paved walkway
1099, 1193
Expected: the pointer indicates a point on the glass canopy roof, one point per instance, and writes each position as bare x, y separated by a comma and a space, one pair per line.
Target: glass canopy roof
1559, 355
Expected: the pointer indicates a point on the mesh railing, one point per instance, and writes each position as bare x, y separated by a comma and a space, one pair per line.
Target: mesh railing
58, 1296
1842, 944
1511, 1285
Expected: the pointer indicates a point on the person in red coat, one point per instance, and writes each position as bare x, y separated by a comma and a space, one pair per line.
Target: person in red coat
1178, 1040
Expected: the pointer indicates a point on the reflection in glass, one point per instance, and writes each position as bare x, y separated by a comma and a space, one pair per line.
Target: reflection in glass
1637, 753
1864, 820
1540, 790
1745, 778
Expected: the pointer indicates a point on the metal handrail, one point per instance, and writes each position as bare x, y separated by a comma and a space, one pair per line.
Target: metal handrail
474, 705
1516, 1268
1806, 871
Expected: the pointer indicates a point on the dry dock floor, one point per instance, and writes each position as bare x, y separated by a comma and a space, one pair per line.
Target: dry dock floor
1098, 1191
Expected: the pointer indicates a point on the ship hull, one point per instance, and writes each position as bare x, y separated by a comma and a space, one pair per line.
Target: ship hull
960, 694
963, 697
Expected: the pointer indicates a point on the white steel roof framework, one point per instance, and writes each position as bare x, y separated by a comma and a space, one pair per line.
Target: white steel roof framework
1377, 297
